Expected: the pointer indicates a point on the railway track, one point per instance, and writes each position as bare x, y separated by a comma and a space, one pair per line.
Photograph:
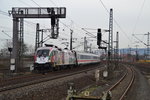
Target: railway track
120, 89
19, 82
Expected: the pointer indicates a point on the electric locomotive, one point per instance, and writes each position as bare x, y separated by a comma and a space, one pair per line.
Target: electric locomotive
52, 57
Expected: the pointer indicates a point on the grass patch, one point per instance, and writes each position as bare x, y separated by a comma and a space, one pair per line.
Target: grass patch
88, 91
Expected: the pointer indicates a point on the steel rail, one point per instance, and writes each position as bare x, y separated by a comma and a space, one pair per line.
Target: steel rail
122, 78
118, 82
129, 86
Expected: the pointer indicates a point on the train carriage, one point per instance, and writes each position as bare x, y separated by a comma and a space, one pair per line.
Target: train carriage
52, 57
87, 58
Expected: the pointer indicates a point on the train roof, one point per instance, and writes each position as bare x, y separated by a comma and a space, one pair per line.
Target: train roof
50, 48
66, 50
40, 48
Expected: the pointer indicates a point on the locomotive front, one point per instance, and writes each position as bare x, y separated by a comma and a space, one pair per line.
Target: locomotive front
42, 59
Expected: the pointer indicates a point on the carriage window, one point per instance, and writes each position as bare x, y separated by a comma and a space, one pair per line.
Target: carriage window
96, 57
85, 57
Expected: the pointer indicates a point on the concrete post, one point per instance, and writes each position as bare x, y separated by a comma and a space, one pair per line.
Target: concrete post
15, 51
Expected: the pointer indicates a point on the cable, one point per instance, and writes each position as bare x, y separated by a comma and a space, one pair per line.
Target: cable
6, 14
3, 13
138, 17
28, 22
90, 28
122, 30
88, 33
53, 2
104, 6
5, 27
115, 20
24, 3
139, 40
35, 3
6, 34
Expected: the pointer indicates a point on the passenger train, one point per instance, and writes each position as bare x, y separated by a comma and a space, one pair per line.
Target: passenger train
52, 57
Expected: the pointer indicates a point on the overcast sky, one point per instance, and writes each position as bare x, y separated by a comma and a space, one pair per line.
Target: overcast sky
131, 17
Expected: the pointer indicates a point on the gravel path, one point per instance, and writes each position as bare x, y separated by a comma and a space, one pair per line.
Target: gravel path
51, 90
140, 89
104, 85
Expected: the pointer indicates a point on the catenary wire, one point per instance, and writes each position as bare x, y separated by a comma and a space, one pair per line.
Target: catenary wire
115, 20
138, 17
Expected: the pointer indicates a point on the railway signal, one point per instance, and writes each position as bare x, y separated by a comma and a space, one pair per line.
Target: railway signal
99, 37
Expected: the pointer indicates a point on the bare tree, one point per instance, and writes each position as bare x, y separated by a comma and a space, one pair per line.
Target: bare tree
27, 49
4, 51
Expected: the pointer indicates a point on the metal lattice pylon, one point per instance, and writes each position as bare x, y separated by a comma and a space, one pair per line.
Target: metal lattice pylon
110, 40
37, 37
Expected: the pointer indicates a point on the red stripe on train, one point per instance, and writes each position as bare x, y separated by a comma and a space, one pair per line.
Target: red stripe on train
86, 60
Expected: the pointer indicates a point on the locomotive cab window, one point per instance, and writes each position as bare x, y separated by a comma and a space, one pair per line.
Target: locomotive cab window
43, 53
